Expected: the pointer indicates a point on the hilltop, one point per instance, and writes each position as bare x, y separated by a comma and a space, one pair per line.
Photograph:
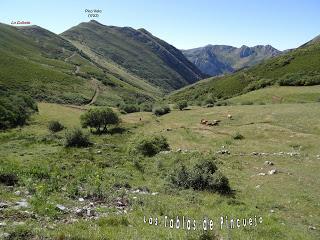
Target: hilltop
137, 51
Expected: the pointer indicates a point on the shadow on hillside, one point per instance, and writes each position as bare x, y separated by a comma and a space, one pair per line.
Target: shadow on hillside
116, 130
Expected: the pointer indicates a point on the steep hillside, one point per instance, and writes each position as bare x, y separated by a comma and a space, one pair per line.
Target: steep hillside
219, 59
298, 67
50, 68
137, 51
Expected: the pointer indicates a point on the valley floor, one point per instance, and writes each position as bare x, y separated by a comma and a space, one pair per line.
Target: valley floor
117, 190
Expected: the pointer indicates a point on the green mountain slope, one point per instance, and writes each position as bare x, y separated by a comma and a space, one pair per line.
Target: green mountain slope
298, 67
137, 51
50, 68
24, 67
219, 59
278, 94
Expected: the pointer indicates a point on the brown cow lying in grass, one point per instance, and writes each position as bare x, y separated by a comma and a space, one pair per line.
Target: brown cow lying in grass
207, 123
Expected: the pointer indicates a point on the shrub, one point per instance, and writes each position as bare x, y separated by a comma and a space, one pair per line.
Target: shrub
99, 118
208, 236
162, 110
150, 146
76, 138
182, 105
55, 126
146, 107
238, 136
129, 108
8, 179
202, 176
180, 177
15, 109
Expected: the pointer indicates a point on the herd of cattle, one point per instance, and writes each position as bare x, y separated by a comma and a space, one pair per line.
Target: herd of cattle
214, 122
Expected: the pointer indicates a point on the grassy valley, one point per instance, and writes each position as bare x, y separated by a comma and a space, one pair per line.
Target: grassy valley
95, 145
106, 175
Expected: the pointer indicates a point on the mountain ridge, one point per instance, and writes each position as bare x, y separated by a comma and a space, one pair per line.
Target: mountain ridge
297, 67
139, 52
221, 59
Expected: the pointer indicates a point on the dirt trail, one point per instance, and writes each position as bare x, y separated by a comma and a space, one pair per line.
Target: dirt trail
95, 84
67, 59
77, 69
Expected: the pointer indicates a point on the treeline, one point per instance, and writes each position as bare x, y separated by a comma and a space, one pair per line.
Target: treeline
15, 109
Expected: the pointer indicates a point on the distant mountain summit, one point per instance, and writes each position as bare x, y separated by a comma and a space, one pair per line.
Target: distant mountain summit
219, 59
137, 51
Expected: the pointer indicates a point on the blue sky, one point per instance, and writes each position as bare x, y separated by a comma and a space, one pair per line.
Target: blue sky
184, 23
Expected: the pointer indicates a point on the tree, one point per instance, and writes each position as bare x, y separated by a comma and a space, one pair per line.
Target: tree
99, 119
15, 109
182, 105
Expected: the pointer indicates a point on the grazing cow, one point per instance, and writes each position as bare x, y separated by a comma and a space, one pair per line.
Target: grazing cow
204, 122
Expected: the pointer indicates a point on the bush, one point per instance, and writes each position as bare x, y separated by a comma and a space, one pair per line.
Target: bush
208, 236
99, 118
238, 136
202, 176
76, 138
15, 109
55, 126
8, 179
146, 107
182, 105
129, 108
150, 146
162, 110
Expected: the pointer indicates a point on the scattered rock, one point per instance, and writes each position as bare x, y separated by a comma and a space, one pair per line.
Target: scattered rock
312, 228
99, 152
272, 211
121, 203
169, 129
22, 203
261, 174
165, 152
154, 193
18, 223
258, 186
17, 193
3, 205
80, 211
81, 199
268, 163
90, 212
272, 171
3, 224
179, 150
223, 151
4, 235
61, 207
